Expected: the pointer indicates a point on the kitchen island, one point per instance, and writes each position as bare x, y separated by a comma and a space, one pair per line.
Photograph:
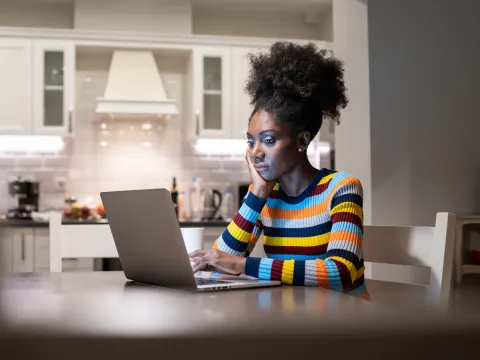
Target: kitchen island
24, 245
44, 224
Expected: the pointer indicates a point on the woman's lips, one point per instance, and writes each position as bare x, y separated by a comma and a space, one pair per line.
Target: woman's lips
261, 168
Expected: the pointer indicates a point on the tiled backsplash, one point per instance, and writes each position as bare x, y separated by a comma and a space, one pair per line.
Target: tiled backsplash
97, 159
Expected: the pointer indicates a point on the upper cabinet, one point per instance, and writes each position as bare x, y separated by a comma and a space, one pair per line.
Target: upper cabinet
242, 110
221, 106
37, 86
54, 84
15, 86
212, 91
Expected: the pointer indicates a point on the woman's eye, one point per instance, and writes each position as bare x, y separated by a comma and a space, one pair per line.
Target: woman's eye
250, 143
269, 141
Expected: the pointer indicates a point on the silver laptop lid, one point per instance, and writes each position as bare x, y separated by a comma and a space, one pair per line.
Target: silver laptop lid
148, 237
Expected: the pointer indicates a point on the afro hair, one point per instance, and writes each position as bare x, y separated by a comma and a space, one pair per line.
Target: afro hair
298, 84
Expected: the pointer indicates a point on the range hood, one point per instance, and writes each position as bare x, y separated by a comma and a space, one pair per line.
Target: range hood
134, 88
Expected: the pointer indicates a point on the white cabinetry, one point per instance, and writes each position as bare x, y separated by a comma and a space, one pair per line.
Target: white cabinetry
36, 86
212, 91
240, 101
221, 106
54, 87
27, 250
15, 86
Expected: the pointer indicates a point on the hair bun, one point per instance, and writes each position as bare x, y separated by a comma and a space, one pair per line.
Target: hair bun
300, 74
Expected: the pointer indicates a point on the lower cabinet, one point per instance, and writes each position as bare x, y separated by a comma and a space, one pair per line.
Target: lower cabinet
27, 250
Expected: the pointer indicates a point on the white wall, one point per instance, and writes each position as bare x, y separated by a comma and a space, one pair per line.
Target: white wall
34, 13
162, 16
424, 79
420, 142
352, 136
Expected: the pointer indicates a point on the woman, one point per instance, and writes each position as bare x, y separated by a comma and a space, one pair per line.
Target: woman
312, 219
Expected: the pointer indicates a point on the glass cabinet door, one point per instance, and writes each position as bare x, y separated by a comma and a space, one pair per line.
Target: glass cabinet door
54, 87
212, 91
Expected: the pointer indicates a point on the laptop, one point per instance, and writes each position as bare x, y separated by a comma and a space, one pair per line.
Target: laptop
149, 242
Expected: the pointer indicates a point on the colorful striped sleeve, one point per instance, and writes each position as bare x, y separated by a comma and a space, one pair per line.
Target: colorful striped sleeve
342, 268
245, 228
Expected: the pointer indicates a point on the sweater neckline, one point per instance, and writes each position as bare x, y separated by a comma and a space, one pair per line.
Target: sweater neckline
305, 193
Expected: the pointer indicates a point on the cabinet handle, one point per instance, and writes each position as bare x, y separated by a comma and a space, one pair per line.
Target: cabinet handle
70, 120
23, 247
197, 123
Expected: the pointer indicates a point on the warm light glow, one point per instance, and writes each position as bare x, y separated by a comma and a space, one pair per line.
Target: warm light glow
103, 126
31, 144
146, 126
239, 146
220, 146
103, 143
147, 144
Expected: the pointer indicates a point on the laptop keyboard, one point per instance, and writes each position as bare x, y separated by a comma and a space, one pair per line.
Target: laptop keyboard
202, 281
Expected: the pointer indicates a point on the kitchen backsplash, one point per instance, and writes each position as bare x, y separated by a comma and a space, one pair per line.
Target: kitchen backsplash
119, 155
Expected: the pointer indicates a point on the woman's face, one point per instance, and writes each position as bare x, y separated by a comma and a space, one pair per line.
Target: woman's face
271, 146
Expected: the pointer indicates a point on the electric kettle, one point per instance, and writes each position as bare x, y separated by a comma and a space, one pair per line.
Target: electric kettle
211, 200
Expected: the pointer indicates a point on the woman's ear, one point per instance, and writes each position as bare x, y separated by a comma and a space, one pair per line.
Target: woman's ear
303, 140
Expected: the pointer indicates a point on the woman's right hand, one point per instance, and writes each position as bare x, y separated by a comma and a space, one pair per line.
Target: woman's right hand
261, 187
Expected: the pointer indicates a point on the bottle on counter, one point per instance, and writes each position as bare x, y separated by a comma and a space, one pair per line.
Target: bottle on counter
181, 211
174, 194
228, 206
194, 200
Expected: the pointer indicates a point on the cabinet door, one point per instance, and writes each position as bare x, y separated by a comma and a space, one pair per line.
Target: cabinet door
42, 250
212, 94
15, 86
23, 254
54, 82
241, 102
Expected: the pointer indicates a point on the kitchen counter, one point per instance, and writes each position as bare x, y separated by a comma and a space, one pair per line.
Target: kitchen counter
44, 224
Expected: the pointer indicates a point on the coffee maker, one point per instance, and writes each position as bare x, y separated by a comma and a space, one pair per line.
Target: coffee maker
27, 193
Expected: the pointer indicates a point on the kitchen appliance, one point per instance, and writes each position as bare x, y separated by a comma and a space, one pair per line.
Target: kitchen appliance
242, 192
210, 201
27, 193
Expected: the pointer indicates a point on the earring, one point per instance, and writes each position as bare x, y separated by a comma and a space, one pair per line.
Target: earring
299, 150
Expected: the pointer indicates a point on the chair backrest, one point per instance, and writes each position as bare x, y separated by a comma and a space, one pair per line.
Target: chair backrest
78, 241
416, 255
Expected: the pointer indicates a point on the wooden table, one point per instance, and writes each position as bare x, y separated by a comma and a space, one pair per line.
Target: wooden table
106, 303
101, 314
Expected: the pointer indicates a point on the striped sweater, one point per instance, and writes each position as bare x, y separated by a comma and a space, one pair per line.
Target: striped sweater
312, 239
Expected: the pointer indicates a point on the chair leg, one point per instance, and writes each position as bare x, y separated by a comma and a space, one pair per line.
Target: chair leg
458, 254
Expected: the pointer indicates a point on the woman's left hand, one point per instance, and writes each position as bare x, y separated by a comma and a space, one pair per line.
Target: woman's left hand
218, 260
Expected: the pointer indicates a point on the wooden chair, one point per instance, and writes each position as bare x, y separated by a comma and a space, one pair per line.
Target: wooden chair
78, 241
409, 266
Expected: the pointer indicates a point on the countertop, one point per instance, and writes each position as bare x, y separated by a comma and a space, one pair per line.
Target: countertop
44, 224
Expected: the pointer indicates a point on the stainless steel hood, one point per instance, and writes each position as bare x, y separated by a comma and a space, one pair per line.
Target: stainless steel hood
134, 88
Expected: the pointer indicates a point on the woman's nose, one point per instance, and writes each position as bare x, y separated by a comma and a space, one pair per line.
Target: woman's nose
257, 152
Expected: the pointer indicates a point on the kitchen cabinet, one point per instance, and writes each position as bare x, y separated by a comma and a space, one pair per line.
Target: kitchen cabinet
28, 250
221, 105
240, 101
37, 86
212, 91
54, 84
16, 75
